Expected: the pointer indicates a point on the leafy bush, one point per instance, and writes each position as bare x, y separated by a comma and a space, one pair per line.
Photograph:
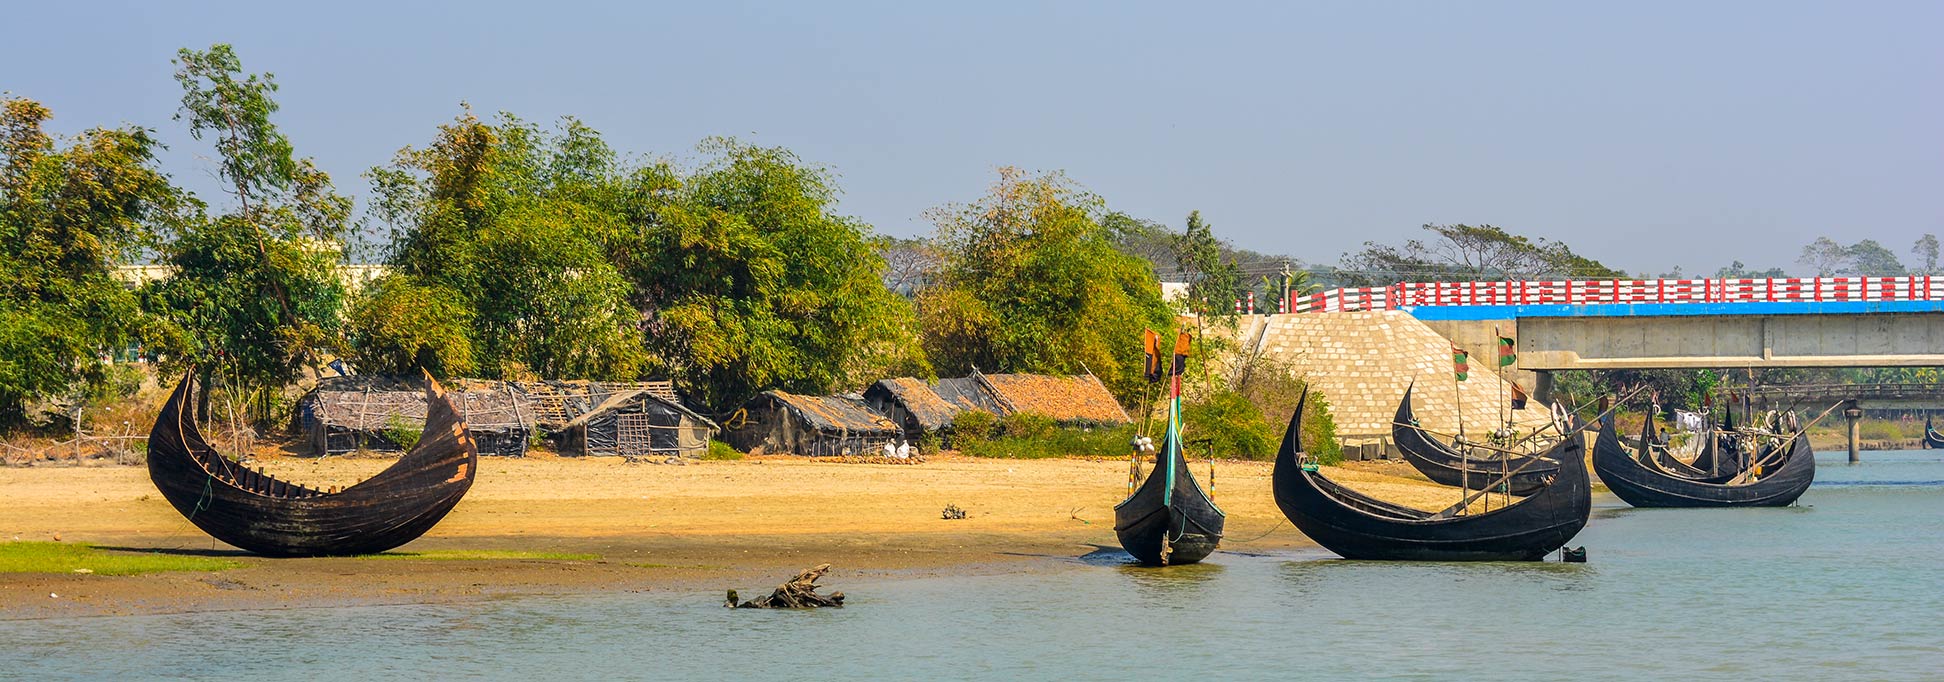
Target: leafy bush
720, 451
1097, 442
1236, 427
1319, 431
1027, 425
972, 426
400, 432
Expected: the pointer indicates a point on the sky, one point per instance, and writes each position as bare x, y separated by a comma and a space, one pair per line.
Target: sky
1648, 135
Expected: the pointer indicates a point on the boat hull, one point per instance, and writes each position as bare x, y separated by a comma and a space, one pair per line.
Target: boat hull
1358, 527
1445, 467
263, 515
1641, 486
1163, 527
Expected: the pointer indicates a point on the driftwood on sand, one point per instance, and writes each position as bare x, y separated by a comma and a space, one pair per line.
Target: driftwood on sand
799, 593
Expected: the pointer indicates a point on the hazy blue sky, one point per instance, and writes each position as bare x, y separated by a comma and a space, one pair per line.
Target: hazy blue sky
1646, 134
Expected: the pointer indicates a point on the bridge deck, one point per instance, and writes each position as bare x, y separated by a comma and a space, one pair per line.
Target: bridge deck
1512, 312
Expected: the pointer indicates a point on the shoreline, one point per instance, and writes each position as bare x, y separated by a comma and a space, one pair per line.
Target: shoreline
704, 527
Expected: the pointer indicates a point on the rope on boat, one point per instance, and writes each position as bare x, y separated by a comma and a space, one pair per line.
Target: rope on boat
208, 493
1272, 529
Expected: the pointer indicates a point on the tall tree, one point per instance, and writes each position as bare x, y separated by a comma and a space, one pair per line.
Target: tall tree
506, 224
733, 278
1213, 282
909, 264
1469, 252
1033, 283
68, 216
1824, 256
1926, 251
1737, 270
751, 280
1869, 259
255, 288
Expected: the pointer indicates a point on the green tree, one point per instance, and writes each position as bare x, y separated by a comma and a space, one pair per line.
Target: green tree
731, 279
396, 327
1926, 250
750, 280
1869, 259
1737, 270
1865, 258
510, 224
1469, 252
1824, 256
255, 289
1032, 282
1213, 282
69, 216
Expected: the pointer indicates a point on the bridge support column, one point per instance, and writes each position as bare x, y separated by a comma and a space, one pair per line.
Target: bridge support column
1855, 416
1542, 387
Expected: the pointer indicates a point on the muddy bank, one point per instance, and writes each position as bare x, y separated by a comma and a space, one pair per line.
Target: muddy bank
701, 527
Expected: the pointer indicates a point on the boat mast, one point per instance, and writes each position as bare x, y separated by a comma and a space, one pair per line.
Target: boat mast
1174, 412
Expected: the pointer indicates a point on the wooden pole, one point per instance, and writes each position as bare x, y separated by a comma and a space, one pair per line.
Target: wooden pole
1464, 453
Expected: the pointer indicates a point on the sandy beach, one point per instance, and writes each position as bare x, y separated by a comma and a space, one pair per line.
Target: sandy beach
701, 527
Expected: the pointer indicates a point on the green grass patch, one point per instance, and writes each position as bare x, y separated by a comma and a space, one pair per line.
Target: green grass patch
482, 555
720, 451
70, 557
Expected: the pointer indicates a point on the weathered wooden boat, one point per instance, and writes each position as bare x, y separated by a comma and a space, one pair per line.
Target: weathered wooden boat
1169, 519
1703, 467
1932, 439
262, 514
1643, 486
1358, 526
1445, 466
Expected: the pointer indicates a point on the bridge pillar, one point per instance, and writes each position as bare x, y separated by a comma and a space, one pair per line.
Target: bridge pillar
1542, 387
1855, 416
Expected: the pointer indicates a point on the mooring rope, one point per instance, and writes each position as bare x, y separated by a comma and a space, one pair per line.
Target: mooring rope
208, 493
1272, 529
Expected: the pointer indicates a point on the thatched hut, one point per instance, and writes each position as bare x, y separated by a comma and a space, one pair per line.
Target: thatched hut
912, 404
346, 414
1080, 400
558, 402
636, 423
781, 422
919, 407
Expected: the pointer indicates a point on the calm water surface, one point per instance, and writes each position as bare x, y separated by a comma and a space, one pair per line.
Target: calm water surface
1848, 586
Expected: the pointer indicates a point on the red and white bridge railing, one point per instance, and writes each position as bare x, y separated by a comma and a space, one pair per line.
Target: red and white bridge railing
1606, 291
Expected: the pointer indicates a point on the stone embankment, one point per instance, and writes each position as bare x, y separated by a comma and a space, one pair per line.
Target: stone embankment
1363, 361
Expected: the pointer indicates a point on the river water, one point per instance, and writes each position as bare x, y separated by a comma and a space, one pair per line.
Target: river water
1847, 586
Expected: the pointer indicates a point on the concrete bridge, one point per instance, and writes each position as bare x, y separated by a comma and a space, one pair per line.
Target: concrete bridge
1687, 324
1677, 323
1863, 396
1711, 335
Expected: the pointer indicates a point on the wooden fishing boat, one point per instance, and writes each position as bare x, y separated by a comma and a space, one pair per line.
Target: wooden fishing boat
1703, 467
1644, 486
1358, 526
1932, 439
272, 517
1169, 519
1445, 466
